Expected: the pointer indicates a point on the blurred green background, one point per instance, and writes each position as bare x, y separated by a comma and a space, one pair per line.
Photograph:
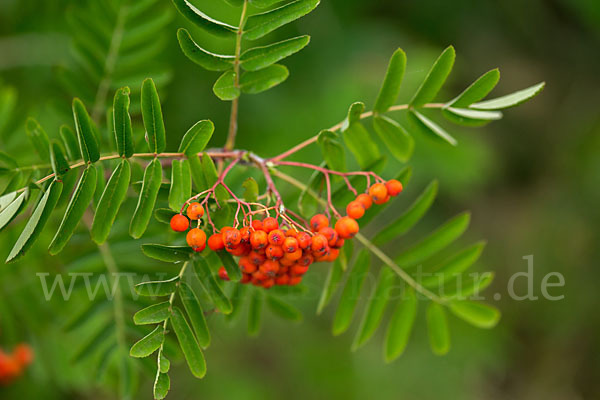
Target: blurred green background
530, 180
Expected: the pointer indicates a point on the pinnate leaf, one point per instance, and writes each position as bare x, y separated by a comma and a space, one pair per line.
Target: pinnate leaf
153, 117
153, 314
201, 20
510, 100
181, 183
196, 138
157, 288
225, 87
437, 326
164, 253
254, 82
435, 78
88, 142
121, 123
395, 137
478, 314
477, 90
148, 344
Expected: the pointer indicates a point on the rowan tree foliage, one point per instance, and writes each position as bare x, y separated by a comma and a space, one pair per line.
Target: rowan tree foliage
98, 164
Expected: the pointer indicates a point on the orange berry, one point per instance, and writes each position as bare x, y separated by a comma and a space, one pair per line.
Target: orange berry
298, 270
269, 268
268, 283
223, 274
365, 200
295, 256
257, 225
290, 244
295, 280
245, 234
306, 260
215, 242
246, 278
270, 224
330, 234
179, 223
378, 193
394, 187
319, 222
355, 210
256, 258
319, 243
196, 238
282, 280
195, 211
286, 261
339, 244
291, 233
246, 265
274, 252
23, 354
259, 275
304, 240
276, 237
259, 240
346, 227
239, 250
231, 237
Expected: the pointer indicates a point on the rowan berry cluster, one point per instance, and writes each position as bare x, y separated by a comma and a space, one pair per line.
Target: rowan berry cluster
12, 365
275, 251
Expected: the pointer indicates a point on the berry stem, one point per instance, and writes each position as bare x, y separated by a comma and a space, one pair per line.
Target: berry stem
339, 126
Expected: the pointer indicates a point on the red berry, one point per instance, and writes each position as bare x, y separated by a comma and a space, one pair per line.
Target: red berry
223, 274
393, 187
346, 227
215, 242
378, 193
196, 238
355, 210
270, 224
319, 222
304, 240
259, 240
231, 237
365, 200
195, 211
179, 223
276, 237
290, 244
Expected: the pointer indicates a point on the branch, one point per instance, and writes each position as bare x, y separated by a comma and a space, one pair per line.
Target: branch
338, 126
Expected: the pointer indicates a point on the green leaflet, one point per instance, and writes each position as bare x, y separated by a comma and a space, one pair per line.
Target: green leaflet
173, 254
250, 190
189, 345
162, 385
429, 127
437, 326
347, 304
391, 85
477, 90
400, 326
110, 202
70, 141
468, 117
39, 138
204, 58
6, 199
377, 303
164, 215
255, 312
435, 78
395, 137
197, 173
88, 142
454, 265
121, 123
463, 287
225, 87
82, 197
264, 3
259, 25
196, 138
100, 184
60, 166
210, 25
36, 222
69, 181
11, 209
233, 270
163, 363
435, 242
195, 314
411, 216
254, 82
358, 139
153, 314
477, 314
148, 344
332, 282
181, 184
152, 116
283, 309
147, 199
332, 150
262, 57
210, 286
157, 288
510, 100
